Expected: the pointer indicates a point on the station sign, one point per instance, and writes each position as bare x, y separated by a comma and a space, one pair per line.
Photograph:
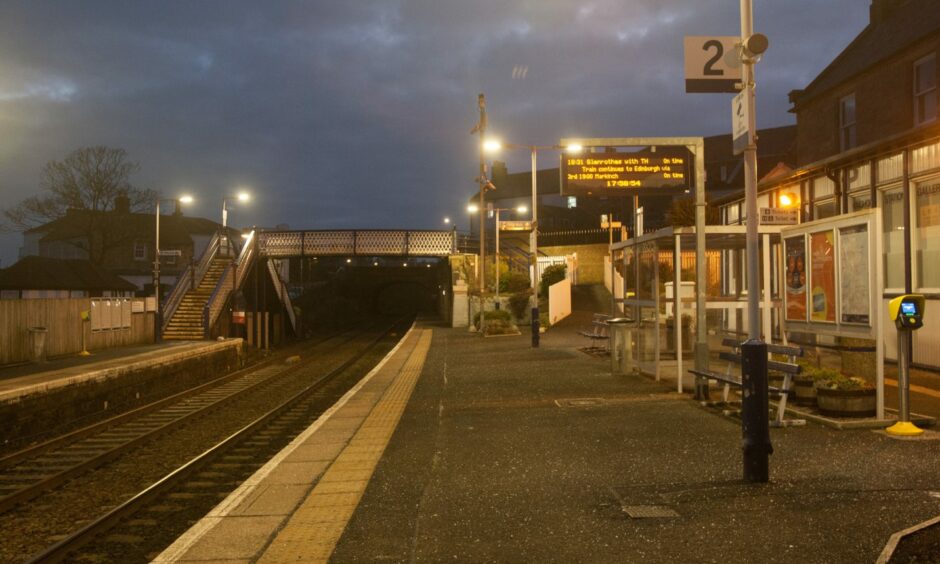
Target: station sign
739, 130
666, 171
171, 253
515, 226
779, 216
712, 64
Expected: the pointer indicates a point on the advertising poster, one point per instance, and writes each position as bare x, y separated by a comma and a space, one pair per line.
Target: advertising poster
822, 279
796, 278
853, 290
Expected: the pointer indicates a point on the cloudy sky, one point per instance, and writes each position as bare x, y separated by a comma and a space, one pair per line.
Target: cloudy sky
358, 113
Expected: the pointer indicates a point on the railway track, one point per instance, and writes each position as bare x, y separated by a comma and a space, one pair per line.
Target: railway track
310, 384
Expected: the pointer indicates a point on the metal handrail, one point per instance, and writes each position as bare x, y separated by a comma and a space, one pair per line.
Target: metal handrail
281, 288
185, 281
225, 285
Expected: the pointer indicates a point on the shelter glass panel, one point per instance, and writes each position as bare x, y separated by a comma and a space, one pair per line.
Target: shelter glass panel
927, 233
892, 216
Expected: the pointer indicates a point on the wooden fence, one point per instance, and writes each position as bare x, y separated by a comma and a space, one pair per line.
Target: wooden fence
62, 319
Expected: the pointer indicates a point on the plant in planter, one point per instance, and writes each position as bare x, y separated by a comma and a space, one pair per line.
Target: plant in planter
498, 322
804, 383
519, 302
839, 395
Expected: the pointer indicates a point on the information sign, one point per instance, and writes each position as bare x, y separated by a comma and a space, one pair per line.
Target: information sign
515, 226
779, 216
642, 172
712, 64
739, 129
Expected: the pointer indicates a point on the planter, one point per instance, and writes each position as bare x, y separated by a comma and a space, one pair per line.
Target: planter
804, 391
846, 403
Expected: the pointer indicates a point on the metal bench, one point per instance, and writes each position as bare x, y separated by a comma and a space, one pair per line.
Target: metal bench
599, 331
731, 375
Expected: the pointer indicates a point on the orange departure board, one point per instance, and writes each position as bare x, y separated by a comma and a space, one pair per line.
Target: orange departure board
611, 173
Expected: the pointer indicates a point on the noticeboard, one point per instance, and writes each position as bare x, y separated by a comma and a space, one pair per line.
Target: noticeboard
614, 173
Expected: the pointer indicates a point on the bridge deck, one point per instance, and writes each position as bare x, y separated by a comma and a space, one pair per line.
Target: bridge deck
357, 242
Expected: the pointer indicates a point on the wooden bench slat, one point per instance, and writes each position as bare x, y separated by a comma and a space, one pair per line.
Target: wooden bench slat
771, 364
787, 350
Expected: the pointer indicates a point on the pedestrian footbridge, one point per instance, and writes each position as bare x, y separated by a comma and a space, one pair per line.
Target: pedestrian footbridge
357, 242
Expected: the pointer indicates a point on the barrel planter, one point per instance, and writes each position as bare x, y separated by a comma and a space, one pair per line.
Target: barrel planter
804, 391
846, 403
775, 380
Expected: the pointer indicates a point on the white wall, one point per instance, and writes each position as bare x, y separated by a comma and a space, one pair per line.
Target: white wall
559, 301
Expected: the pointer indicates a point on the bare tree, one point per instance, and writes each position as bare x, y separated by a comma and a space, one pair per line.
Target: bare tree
88, 182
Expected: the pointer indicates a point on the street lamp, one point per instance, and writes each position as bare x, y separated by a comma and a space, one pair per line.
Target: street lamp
240, 197
158, 317
494, 145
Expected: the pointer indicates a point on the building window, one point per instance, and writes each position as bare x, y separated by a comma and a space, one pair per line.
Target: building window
847, 122
925, 90
824, 209
140, 251
892, 216
927, 233
860, 200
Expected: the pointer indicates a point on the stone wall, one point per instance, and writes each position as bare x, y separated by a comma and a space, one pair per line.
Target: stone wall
590, 260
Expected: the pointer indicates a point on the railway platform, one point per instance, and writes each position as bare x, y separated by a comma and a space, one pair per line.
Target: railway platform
19, 381
469, 449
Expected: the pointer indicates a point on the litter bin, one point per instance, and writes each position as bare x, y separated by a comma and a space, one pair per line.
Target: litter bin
37, 342
621, 345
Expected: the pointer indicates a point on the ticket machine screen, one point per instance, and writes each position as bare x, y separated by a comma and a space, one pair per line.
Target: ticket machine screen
908, 308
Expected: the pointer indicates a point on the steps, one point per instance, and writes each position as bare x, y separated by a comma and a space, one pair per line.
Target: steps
187, 323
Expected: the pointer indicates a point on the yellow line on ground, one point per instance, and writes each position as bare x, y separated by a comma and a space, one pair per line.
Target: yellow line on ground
915, 388
314, 529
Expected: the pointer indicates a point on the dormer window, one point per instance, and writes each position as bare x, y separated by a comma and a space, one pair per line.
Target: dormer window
925, 90
847, 138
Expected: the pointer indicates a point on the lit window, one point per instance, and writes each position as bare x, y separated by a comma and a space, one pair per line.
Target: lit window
927, 234
140, 251
925, 90
892, 222
847, 122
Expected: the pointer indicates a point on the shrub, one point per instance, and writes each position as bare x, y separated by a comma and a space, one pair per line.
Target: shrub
552, 275
494, 315
514, 281
836, 381
499, 327
518, 303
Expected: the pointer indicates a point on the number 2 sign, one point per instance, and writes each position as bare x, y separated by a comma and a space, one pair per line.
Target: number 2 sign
712, 64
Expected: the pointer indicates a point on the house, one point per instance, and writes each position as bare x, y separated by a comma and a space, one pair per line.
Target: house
42, 277
868, 137
122, 242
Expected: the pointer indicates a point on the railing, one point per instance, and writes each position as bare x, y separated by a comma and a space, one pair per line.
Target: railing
281, 288
233, 277
367, 242
188, 279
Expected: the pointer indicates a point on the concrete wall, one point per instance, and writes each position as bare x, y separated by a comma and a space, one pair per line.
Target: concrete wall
590, 260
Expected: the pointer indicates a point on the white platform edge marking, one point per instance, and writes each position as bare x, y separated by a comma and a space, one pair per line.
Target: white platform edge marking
181, 546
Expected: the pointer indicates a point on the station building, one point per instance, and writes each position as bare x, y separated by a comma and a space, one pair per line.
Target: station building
868, 137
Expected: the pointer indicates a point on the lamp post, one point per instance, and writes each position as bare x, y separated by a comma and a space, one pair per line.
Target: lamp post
240, 197
158, 314
492, 146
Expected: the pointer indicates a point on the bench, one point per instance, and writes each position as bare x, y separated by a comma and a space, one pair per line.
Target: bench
731, 375
599, 331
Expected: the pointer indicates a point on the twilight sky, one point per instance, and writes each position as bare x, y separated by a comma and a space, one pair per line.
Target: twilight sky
358, 113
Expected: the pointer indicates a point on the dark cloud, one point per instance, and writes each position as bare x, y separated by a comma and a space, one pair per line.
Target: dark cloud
351, 114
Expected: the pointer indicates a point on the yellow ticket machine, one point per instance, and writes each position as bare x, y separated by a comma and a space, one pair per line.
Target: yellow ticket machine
907, 312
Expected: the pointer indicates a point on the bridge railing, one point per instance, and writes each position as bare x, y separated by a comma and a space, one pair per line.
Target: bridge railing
189, 279
367, 242
281, 289
232, 278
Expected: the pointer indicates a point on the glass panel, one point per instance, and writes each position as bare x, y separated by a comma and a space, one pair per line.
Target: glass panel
892, 215
860, 200
927, 231
925, 158
825, 209
859, 177
822, 187
890, 168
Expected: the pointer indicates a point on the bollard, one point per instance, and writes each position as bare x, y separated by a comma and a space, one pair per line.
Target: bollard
755, 426
535, 327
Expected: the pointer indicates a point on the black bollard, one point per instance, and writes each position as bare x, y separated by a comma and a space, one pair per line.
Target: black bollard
754, 405
535, 327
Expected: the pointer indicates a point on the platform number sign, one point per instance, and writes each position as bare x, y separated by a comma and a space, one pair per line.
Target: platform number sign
712, 64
